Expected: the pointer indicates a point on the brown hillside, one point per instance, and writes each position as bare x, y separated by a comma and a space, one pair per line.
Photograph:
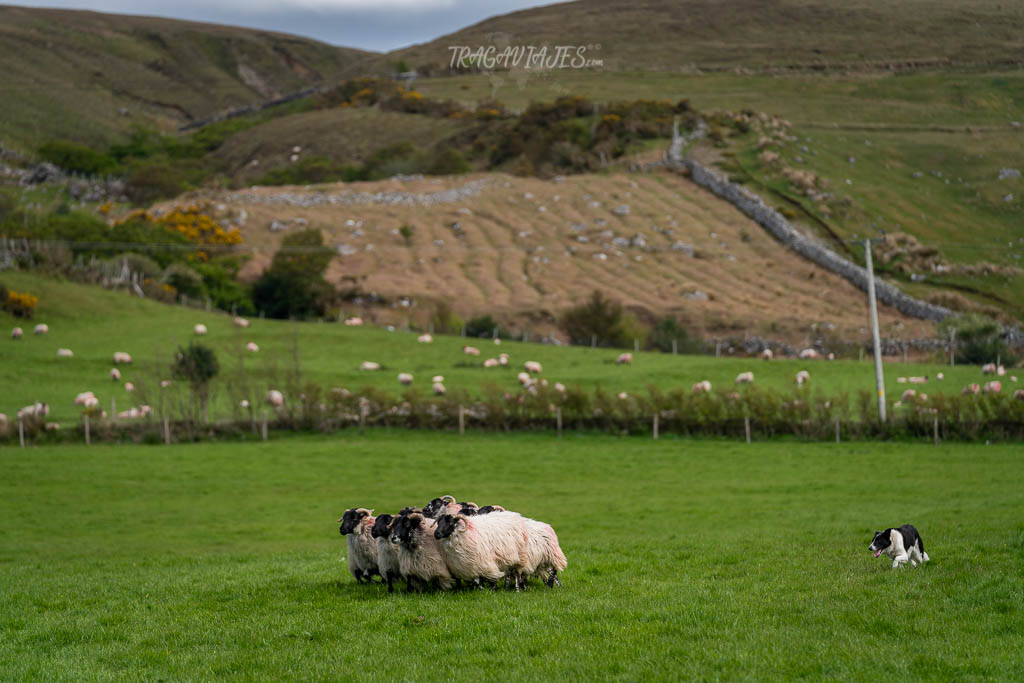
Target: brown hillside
512, 246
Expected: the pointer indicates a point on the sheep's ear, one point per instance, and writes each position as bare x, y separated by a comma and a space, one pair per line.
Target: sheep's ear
340, 520
461, 522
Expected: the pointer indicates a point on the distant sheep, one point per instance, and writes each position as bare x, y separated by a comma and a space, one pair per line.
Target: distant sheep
164, 383
971, 389
199, 329
275, 398
745, 378
64, 353
240, 322
37, 409
559, 387
1019, 394
917, 380
41, 328
988, 369
135, 413
471, 350
908, 395
357, 524
831, 356
438, 389
1000, 370
497, 341
252, 347
85, 398
533, 367
129, 387
244, 404
622, 396
121, 357
437, 378
491, 363
425, 338
993, 387
702, 387
901, 380
354, 322
502, 359
624, 359
767, 354
369, 365
939, 376
808, 354
523, 378
404, 378
803, 377
115, 374
16, 333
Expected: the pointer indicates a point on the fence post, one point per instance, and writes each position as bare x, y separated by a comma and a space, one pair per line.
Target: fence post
87, 440
636, 345
167, 432
558, 420
936, 430
494, 333
462, 421
860, 358
362, 417
952, 347
746, 427
113, 409
718, 349
655, 427
264, 425
675, 346
837, 429
593, 341
21, 432
463, 331
905, 361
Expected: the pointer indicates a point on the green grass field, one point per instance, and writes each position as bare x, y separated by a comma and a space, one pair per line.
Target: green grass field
687, 559
94, 323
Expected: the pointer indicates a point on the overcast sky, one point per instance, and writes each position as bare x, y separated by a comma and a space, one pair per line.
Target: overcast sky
379, 25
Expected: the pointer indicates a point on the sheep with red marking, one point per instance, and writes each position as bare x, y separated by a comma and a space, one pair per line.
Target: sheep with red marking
767, 354
488, 547
354, 322
702, 387
541, 557
533, 367
425, 338
275, 399
357, 524
808, 354
993, 387
64, 353
240, 322
17, 332
41, 328
971, 389
624, 359
745, 378
405, 378
471, 350
420, 558
122, 357
199, 329
115, 374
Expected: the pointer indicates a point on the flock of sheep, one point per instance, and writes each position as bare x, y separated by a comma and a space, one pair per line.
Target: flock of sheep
445, 544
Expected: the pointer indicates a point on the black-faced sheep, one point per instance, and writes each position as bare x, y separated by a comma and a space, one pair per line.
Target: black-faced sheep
420, 558
387, 552
488, 547
444, 505
357, 524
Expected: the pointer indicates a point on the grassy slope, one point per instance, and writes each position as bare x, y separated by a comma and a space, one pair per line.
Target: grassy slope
686, 560
94, 323
71, 72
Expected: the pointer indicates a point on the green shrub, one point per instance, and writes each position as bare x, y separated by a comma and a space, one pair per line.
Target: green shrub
198, 365
76, 158
599, 318
444, 320
294, 286
138, 263
483, 326
185, 280
668, 330
448, 161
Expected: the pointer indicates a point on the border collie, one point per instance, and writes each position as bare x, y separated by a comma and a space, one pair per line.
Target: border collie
901, 544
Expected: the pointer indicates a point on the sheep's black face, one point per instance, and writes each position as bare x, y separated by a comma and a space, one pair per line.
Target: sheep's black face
486, 510
408, 511
382, 526
404, 530
350, 519
445, 526
881, 541
469, 512
433, 507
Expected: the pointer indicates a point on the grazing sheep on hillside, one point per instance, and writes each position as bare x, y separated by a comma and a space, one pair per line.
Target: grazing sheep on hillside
988, 369
164, 383
240, 322
437, 378
357, 524
622, 395
702, 387
252, 347
559, 387
438, 389
624, 359
135, 413
901, 380
199, 329
1000, 370
275, 398
542, 556
533, 367
369, 365
808, 354
84, 397
244, 404
491, 363
523, 378
121, 357
767, 354
405, 378
420, 558
745, 377
831, 356
41, 328
115, 374
425, 338
971, 389
489, 547
993, 387
387, 552
16, 333
354, 322
939, 376
917, 380
502, 359
908, 395
129, 387
37, 409
471, 350
803, 377
497, 341
64, 353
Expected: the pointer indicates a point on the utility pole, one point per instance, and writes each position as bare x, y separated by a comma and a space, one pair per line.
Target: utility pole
879, 381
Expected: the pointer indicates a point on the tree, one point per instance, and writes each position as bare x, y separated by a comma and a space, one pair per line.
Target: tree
294, 285
198, 365
599, 317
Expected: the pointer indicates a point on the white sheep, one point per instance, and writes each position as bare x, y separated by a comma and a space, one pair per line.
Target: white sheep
369, 365
425, 338
164, 383
503, 359
275, 399
624, 359
357, 524
622, 395
199, 329
559, 387
135, 413
542, 556
471, 350
121, 357
37, 409
497, 341
405, 378
808, 354
41, 328
988, 369
802, 377
745, 378
252, 347
437, 378
993, 387
84, 397
702, 387
939, 376
16, 333
831, 356
487, 546
64, 353
354, 322
491, 363
901, 380
129, 387
917, 380
240, 322
767, 354
438, 388
533, 367
244, 404
523, 378
420, 556
1000, 370
115, 374
908, 395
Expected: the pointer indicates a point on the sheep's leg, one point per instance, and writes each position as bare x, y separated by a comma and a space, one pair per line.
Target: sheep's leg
391, 578
519, 581
358, 573
552, 580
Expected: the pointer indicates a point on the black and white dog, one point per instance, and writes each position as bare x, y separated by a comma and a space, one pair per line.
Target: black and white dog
901, 545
